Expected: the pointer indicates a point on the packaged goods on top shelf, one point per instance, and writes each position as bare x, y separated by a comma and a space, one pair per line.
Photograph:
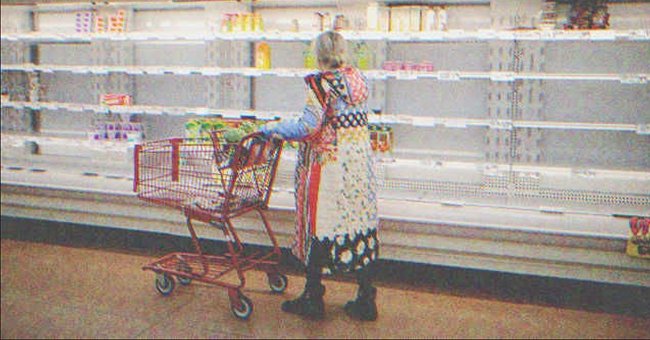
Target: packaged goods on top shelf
113, 23
588, 14
406, 18
242, 22
548, 16
84, 22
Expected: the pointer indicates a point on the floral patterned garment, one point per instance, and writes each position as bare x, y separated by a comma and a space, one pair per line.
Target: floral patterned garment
336, 201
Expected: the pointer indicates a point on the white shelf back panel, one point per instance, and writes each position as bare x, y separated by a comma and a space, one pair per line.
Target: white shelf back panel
170, 21
440, 143
444, 56
15, 19
68, 88
171, 90
77, 123
57, 22
466, 99
596, 102
154, 54
597, 57
596, 149
67, 54
280, 94
629, 15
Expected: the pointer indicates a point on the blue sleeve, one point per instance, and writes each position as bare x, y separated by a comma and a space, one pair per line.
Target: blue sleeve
292, 129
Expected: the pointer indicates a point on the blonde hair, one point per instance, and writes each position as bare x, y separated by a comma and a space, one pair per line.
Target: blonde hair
330, 49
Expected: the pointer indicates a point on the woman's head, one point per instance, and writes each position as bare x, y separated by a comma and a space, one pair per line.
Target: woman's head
331, 50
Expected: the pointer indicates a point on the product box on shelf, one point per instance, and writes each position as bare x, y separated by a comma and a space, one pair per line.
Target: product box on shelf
381, 137
117, 128
397, 65
588, 14
84, 22
115, 23
115, 99
413, 18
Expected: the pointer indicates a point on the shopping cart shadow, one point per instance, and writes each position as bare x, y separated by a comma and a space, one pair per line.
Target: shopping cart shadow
213, 182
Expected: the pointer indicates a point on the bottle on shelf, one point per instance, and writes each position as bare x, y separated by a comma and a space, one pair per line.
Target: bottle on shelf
363, 56
442, 18
372, 17
309, 57
429, 19
258, 23
263, 56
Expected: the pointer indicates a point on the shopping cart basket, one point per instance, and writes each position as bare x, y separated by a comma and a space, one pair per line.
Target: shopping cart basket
212, 182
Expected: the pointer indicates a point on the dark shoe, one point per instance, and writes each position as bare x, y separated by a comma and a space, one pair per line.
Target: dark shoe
364, 307
309, 304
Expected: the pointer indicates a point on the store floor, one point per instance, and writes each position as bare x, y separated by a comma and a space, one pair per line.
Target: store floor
54, 291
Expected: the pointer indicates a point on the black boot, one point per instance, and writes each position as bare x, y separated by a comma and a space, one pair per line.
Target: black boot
309, 304
364, 308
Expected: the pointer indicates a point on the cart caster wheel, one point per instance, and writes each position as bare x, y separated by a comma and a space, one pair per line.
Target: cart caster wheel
277, 282
245, 308
184, 267
164, 284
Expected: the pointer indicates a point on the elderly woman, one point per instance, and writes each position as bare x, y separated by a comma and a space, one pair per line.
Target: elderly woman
336, 202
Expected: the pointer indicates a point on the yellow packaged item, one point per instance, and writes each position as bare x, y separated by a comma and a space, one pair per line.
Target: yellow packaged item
263, 56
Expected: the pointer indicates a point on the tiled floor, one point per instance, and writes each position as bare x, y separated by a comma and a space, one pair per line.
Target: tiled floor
51, 291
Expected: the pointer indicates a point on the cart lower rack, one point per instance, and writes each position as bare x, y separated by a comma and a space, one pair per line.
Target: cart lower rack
212, 182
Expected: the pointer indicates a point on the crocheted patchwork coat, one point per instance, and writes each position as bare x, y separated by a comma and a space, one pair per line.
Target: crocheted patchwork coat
335, 187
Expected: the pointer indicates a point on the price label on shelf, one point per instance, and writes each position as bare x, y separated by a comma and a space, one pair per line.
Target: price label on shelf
406, 75
455, 123
643, 129
603, 35
634, 78
423, 121
449, 75
547, 35
499, 124
486, 34
79, 70
183, 71
502, 76
638, 34
49, 106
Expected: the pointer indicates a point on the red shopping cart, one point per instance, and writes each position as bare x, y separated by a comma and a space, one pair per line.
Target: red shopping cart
212, 182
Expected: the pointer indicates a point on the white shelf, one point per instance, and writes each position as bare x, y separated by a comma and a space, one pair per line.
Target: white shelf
289, 72
433, 36
399, 119
145, 109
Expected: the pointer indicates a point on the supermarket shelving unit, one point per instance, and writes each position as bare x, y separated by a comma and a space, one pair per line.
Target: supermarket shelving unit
525, 150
